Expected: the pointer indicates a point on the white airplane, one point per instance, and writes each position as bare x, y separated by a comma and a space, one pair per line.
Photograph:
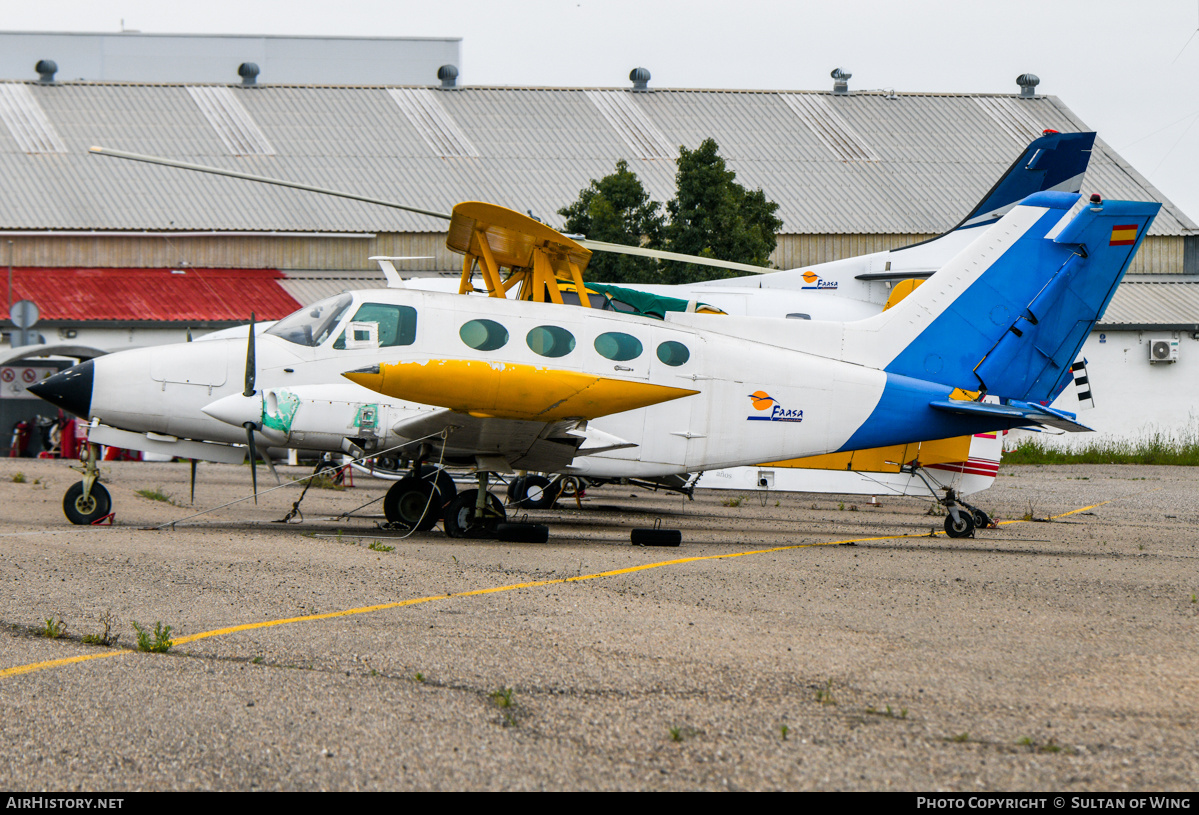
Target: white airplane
849, 289
533, 385
856, 287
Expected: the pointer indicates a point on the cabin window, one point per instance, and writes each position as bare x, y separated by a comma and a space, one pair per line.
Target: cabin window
550, 341
673, 353
397, 324
484, 335
313, 324
617, 347
571, 298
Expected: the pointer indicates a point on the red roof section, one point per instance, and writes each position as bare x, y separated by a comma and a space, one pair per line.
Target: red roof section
177, 295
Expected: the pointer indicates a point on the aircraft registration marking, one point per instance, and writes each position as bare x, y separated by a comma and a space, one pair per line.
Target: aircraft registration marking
17, 670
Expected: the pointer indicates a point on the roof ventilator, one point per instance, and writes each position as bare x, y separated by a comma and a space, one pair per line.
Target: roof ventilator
840, 81
1028, 85
448, 74
640, 78
248, 71
46, 69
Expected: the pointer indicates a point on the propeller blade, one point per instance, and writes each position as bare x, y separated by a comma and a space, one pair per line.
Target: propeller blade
193, 498
270, 465
253, 457
251, 362
189, 333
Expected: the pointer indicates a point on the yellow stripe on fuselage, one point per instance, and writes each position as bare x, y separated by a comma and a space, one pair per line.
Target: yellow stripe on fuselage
511, 391
885, 459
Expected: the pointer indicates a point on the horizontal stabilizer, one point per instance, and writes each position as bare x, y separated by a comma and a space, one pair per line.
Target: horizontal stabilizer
1036, 414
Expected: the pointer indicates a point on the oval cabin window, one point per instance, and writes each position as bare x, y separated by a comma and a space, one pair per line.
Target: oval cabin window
550, 341
673, 353
484, 335
617, 347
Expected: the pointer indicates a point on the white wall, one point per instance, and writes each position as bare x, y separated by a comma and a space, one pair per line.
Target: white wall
1134, 398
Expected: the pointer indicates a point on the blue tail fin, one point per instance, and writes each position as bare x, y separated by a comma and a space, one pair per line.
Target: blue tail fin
1032, 360
1009, 314
1056, 162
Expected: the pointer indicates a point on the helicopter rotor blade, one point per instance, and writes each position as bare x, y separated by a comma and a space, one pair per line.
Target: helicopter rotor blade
595, 246
262, 179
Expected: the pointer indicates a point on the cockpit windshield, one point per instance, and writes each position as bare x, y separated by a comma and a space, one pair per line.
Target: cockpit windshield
313, 324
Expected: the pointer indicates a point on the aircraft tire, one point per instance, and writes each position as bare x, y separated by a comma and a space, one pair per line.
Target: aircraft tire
981, 519
84, 512
515, 488
411, 503
656, 537
532, 492
460, 520
522, 533
446, 488
964, 528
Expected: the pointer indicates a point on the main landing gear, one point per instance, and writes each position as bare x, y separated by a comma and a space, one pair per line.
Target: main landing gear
475, 513
962, 518
87, 501
417, 501
478, 513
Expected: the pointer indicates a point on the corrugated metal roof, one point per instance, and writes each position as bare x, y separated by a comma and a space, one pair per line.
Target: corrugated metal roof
307, 287
1161, 305
438, 128
27, 122
231, 121
639, 133
178, 295
933, 156
829, 127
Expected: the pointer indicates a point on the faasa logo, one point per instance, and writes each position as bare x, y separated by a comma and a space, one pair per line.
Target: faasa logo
814, 282
762, 402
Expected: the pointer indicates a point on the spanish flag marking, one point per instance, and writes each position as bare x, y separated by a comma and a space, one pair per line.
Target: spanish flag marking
1124, 235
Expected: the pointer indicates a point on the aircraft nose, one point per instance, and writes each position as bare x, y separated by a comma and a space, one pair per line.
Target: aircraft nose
70, 390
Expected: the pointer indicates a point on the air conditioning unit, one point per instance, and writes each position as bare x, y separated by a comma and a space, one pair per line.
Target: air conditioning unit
1163, 350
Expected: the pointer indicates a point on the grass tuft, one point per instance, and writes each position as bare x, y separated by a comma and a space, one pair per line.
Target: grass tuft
106, 637
53, 629
825, 695
157, 495
158, 642
1157, 448
324, 482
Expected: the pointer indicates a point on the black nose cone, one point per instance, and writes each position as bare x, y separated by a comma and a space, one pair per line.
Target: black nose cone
70, 390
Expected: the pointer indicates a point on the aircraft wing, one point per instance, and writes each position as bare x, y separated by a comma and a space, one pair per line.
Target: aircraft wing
520, 444
1036, 414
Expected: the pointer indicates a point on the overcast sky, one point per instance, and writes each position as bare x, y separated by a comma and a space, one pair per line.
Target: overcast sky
1128, 69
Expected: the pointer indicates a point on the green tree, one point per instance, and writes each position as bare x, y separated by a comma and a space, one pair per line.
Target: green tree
713, 216
617, 209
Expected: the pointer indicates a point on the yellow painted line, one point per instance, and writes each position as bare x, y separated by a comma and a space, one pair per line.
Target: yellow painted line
1083, 509
220, 632
55, 663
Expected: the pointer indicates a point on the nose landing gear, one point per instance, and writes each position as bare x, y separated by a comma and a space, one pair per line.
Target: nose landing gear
87, 501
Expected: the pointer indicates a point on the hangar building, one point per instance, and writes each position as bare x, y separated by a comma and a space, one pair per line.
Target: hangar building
118, 253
